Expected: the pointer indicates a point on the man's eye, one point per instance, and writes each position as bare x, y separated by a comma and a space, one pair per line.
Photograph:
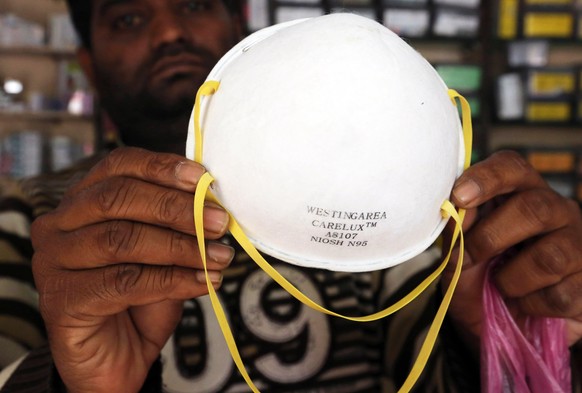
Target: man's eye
196, 5
127, 21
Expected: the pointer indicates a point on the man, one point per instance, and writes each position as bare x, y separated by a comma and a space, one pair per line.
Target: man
120, 282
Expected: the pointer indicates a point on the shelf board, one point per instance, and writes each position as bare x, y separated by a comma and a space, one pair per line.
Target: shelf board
524, 124
528, 135
36, 51
567, 41
44, 116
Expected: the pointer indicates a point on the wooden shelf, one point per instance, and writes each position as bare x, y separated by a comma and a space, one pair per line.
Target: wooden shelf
36, 51
529, 135
54, 116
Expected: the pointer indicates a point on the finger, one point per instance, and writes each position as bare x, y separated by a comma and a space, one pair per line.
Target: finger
166, 169
542, 264
537, 211
88, 294
563, 300
502, 173
130, 199
114, 242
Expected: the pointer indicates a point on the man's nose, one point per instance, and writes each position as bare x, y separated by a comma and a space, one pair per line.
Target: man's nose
167, 28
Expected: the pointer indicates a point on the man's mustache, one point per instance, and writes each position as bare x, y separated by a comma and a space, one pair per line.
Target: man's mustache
175, 49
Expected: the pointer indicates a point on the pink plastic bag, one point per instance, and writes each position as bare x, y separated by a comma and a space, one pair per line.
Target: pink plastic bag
535, 360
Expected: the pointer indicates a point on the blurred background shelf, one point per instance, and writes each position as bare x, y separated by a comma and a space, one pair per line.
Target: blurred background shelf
36, 51
52, 116
47, 115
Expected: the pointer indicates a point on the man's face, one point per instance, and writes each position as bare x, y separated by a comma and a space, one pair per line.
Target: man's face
149, 57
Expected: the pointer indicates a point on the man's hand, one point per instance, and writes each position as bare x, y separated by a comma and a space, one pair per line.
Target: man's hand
511, 207
114, 262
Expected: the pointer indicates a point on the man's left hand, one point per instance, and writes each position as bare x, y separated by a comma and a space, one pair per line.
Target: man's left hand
510, 207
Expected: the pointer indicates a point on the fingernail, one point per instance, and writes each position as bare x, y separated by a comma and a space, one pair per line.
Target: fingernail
467, 191
189, 172
220, 253
215, 219
215, 277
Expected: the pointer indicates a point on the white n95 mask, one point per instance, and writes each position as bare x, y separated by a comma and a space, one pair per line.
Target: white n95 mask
333, 143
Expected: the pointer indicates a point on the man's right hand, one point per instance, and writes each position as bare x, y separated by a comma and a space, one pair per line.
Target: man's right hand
114, 263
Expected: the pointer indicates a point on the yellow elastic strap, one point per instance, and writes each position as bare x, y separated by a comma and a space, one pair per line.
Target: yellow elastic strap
199, 198
202, 193
428, 344
208, 88
467, 124
433, 331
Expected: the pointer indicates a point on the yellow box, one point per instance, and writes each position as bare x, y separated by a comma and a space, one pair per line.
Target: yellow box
548, 24
547, 82
552, 161
548, 111
508, 14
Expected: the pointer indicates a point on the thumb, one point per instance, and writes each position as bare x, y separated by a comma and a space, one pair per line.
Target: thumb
156, 322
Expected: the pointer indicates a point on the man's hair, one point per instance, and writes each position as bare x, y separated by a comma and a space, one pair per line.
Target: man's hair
80, 11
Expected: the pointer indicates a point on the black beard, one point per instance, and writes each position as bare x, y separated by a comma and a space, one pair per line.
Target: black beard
142, 117
126, 108
144, 123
